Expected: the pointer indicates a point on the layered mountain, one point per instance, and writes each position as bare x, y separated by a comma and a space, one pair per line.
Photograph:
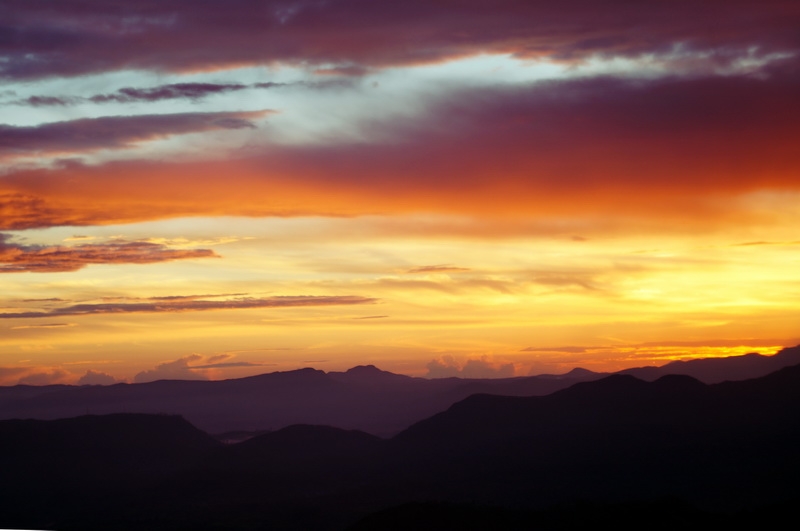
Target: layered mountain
363, 398
721, 453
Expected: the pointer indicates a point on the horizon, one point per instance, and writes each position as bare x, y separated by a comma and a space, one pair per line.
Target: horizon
474, 372
502, 189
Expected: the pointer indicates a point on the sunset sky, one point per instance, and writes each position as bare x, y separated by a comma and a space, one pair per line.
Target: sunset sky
209, 189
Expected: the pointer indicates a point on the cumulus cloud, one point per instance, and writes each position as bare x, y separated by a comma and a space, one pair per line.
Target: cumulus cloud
447, 367
192, 367
17, 258
46, 377
97, 378
188, 304
179, 369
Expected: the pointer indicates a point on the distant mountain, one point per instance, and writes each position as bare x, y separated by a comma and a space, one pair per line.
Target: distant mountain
715, 370
721, 453
363, 398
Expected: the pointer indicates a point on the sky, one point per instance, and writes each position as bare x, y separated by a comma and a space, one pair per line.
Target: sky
202, 189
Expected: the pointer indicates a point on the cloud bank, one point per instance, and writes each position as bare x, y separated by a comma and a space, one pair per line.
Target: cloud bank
75, 37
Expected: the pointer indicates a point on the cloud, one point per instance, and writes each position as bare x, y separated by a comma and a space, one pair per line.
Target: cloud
447, 367
675, 151
46, 377
113, 132
49, 101
192, 367
571, 350
179, 369
97, 378
175, 91
751, 244
17, 258
43, 326
11, 375
231, 364
192, 91
77, 37
190, 304
438, 269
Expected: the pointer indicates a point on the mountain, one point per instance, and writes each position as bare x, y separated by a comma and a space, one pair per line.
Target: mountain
715, 370
54, 467
670, 453
363, 398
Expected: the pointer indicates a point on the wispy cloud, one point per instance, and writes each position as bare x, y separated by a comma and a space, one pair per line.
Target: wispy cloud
194, 92
43, 326
190, 305
18, 258
113, 132
438, 269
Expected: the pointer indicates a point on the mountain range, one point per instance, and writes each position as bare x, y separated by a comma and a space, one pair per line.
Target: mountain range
670, 453
363, 398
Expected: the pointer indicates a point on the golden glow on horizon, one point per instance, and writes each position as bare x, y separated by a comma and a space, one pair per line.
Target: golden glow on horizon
461, 296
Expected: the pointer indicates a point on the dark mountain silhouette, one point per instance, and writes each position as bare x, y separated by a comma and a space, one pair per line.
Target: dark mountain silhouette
715, 370
57, 467
363, 398
664, 454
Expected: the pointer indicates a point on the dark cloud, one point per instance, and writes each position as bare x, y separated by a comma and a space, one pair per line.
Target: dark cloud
74, 37
17, 258
286, 301
113, 132
192, 91
49, 101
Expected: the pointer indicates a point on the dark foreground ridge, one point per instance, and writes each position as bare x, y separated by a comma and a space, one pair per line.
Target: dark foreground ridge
673, 453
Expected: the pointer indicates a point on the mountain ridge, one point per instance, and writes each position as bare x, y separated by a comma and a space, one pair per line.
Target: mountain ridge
363, 397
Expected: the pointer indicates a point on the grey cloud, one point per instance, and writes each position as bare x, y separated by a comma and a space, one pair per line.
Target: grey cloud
113, 132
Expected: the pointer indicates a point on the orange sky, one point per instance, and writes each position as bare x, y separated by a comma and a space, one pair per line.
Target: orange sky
517, 189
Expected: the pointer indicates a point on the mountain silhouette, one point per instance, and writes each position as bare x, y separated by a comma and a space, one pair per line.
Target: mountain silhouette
724, 453
362, 398
54, 467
